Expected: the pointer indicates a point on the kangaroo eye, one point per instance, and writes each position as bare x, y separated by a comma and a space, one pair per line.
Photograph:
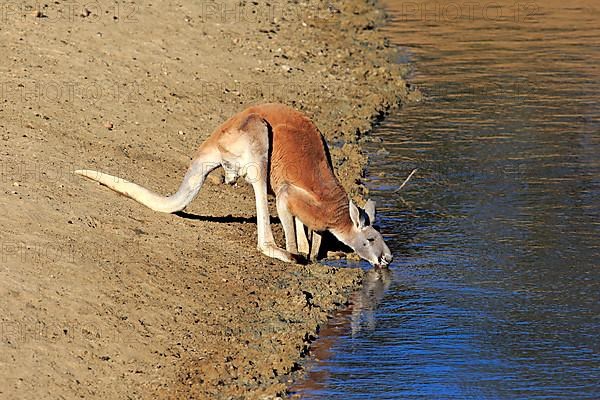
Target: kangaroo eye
371, 240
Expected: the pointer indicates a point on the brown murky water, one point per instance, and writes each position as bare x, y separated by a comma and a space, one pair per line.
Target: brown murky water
495, 291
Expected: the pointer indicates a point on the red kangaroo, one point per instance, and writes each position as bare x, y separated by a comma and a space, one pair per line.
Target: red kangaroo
279, 150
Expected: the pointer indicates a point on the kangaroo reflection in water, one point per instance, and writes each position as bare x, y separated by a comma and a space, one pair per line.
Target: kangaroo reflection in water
358, 317
365, 302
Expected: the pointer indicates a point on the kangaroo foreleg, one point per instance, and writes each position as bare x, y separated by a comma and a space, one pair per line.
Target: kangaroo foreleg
287, 221
302, 240
315, 245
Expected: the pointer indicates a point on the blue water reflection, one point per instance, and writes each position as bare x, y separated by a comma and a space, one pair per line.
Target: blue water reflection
495, 288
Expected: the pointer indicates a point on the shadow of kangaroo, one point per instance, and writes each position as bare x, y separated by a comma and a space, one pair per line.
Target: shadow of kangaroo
278, 150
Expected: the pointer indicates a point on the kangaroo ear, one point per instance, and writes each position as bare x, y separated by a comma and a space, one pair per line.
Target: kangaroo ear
370, 210
355, 214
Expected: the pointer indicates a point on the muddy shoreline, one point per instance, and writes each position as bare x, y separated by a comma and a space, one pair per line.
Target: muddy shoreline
105, 299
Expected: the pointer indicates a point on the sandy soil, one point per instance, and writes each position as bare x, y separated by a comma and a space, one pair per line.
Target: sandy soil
103, 298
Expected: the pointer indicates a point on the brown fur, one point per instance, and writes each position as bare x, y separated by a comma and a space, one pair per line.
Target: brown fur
277, 149
298, 158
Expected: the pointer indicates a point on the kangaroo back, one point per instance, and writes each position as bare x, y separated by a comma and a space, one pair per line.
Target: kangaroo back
299, 155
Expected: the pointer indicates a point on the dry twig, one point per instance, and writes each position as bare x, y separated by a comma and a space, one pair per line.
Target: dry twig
406, 180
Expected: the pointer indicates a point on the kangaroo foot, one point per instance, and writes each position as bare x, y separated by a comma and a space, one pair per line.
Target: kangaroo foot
271, 250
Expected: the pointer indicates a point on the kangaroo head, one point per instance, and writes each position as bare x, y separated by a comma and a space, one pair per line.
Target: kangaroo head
364, 239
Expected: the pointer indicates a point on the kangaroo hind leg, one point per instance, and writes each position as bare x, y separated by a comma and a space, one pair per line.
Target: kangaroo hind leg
248, 145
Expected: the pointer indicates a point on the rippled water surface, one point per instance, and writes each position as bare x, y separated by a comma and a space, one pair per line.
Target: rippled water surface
495, 289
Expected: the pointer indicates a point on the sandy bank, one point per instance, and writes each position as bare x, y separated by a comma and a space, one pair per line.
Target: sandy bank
102, 298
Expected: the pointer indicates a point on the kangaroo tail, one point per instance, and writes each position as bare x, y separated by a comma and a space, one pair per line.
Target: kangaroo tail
189, 188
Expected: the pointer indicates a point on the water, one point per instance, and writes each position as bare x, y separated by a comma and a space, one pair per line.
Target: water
495, 289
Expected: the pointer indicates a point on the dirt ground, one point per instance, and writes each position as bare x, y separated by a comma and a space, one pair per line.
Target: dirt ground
103, 298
